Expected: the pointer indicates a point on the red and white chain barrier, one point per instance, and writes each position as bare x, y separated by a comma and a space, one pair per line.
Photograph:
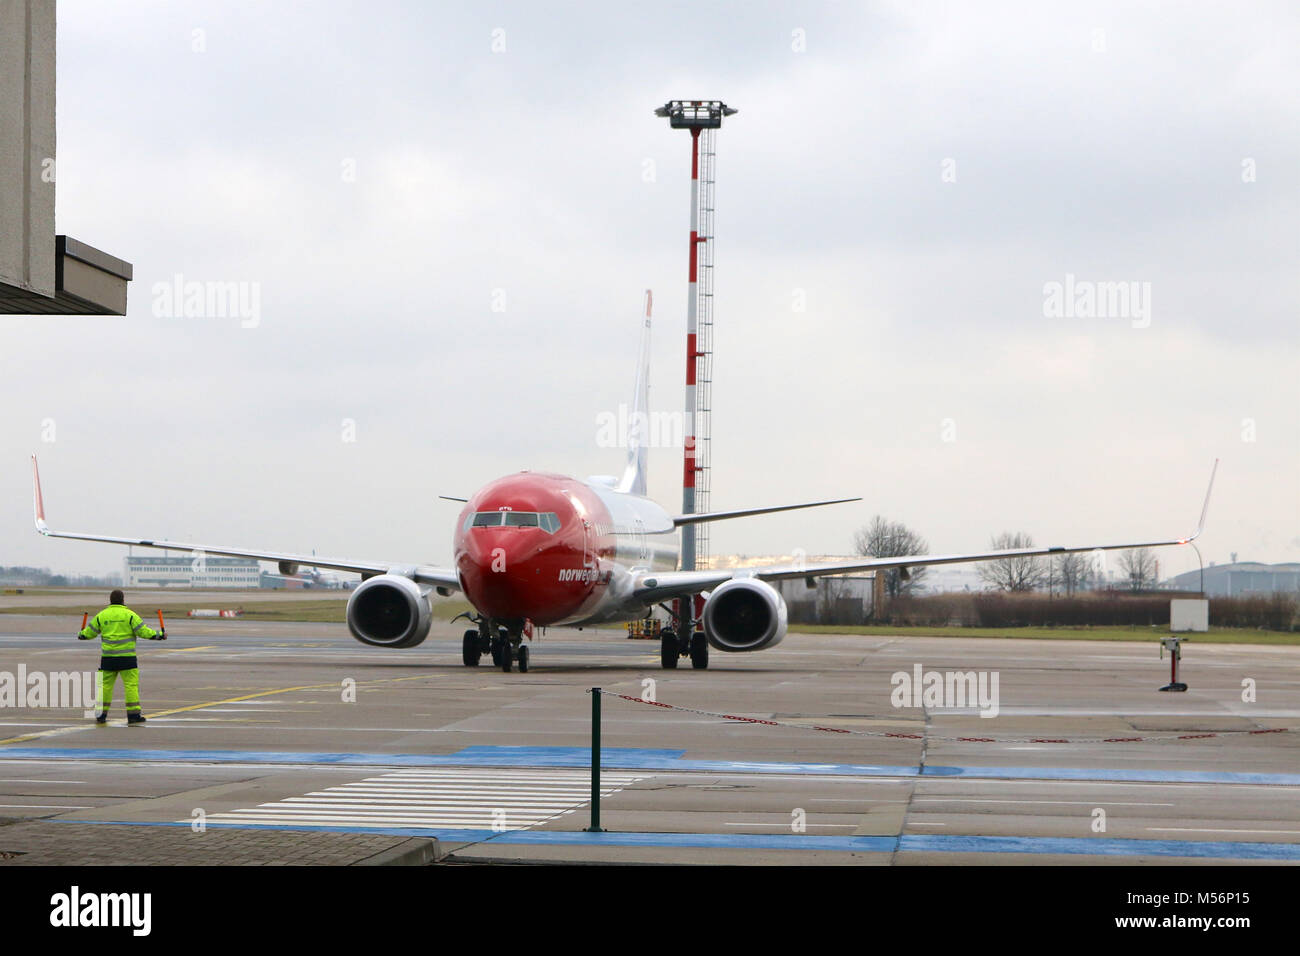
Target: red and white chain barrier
968, 739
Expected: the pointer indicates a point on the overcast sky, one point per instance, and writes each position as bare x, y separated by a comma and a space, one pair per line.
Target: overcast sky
449, 214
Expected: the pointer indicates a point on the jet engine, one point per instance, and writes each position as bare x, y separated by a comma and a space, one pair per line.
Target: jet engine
389, 610
744, 614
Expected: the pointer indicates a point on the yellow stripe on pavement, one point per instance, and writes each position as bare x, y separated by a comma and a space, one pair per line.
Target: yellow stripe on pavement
281, 690
56, 732
74, 728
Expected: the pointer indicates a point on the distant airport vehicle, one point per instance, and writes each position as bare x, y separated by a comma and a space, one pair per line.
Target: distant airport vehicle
546, 550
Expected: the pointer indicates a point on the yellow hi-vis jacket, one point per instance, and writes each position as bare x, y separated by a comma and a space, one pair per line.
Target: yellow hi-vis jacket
117, 627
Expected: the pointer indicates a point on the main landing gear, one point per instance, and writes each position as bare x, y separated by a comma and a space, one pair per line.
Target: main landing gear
470, 649
672, 648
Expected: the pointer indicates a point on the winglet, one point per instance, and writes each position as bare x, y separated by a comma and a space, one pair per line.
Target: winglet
1205, 508
38, 503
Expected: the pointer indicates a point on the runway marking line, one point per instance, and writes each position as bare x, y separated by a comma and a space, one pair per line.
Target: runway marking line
508, 799
75, 728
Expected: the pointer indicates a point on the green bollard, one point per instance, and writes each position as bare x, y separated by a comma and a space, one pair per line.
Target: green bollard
595, 762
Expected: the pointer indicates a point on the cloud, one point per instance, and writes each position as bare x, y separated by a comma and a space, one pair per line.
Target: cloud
519, 179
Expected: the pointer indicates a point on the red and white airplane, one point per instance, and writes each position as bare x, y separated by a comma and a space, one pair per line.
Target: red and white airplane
537, 549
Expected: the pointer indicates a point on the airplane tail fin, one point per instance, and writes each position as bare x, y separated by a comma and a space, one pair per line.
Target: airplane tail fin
638, 437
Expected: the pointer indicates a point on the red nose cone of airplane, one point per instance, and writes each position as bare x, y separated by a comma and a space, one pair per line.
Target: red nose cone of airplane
501, 569
539, 572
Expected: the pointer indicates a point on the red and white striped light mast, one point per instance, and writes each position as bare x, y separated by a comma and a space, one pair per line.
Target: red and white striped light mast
698, 116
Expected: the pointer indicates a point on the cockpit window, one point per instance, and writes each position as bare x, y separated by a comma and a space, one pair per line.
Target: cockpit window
548, 521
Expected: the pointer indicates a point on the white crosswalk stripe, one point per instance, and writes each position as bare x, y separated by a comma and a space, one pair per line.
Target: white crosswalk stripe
475, 798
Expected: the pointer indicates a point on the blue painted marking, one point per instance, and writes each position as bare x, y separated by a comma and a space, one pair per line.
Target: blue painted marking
544, 754
1136, 776
611, 759
721, 841
632, 758
1225, 850
909, 843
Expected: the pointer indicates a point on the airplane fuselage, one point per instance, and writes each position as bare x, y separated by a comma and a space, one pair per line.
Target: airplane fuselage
556, 550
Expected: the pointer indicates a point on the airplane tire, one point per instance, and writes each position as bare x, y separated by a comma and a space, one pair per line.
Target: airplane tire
699, 651
469, 649
523, 658
507, 656
669, 652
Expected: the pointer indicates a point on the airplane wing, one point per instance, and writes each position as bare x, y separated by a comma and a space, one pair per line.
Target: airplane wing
679, 520
445, 579
662, 586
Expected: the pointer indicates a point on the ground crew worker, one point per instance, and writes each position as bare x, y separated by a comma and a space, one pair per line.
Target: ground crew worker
117, 627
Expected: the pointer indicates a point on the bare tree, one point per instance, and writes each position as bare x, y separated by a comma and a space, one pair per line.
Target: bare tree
1014, 574
833, 607
829, 591
1074, 571
1139, 567
882, 538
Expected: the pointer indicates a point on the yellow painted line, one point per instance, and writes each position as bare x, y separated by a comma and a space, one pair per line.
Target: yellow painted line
186, 650
56, 732
74, 728
235, 700
282, 690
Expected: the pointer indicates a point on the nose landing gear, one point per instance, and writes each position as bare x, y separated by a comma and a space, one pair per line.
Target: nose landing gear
511, 649
504, 645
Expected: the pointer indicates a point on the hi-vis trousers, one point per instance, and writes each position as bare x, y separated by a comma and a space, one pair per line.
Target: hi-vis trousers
130, 684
